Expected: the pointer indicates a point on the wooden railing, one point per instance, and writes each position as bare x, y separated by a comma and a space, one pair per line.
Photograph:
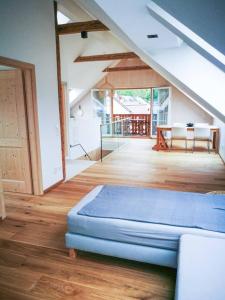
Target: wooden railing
138, 124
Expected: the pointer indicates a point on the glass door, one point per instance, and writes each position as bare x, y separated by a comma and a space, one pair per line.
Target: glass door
160, 108
102, 99
103, 104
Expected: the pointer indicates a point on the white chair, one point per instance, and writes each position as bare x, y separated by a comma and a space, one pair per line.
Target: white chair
178, 133
202, 134
201, 124
179, 124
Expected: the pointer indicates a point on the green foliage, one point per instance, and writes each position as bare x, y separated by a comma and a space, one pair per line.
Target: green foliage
155, 94
143, 93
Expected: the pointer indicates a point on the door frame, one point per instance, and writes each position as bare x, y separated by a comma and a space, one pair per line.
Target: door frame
65, 110
150, 110
169, 106
29, 80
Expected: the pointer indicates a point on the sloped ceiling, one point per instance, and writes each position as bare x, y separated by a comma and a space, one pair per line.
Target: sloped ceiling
85, 75
204, 17
196, 38
73, 11
196, 77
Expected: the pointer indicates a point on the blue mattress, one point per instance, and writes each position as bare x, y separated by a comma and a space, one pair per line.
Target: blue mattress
128, 231
159, 206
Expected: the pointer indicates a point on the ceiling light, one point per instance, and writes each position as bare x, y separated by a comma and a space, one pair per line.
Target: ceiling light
152, 36
84, 34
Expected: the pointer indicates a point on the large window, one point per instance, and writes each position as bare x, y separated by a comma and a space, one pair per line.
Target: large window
132, 101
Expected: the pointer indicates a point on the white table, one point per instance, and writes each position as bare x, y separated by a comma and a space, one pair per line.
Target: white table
162, 145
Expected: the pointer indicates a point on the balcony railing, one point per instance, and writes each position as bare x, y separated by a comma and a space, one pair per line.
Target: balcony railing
139, 124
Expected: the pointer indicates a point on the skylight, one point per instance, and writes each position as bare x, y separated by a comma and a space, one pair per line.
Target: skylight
184, 32
62, 19
74, 93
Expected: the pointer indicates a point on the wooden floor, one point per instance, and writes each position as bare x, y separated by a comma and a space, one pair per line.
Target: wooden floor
33, 261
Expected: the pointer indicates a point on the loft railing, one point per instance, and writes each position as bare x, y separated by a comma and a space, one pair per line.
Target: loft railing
79, 145
111, 134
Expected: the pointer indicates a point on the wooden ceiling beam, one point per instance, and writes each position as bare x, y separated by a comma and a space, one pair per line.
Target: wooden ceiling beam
130, 68
78, 27
102, 57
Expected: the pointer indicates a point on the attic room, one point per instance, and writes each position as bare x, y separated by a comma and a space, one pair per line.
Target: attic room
112, 149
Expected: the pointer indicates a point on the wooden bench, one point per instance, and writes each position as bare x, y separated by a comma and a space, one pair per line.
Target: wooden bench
201, 268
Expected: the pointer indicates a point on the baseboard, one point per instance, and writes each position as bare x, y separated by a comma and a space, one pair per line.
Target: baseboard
53, 186
221, 158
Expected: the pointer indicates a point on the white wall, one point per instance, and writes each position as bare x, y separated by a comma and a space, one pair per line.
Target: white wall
27, 33
84, 129
185, 111
83, 76
205, 82
221, 125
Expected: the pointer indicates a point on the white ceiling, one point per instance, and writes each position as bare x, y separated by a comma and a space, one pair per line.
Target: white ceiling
138, 24
130, 21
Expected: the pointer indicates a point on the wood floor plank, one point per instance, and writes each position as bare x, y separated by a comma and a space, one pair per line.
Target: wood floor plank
107, 277
34, 263
7, 293
17, 278
11, 259
61, 289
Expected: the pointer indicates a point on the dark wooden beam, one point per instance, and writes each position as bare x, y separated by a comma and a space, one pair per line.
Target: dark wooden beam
130, 68
61, 116
78, 27
101, 57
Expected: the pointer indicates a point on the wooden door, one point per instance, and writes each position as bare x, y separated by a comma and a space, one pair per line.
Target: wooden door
14, 146
2, 201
